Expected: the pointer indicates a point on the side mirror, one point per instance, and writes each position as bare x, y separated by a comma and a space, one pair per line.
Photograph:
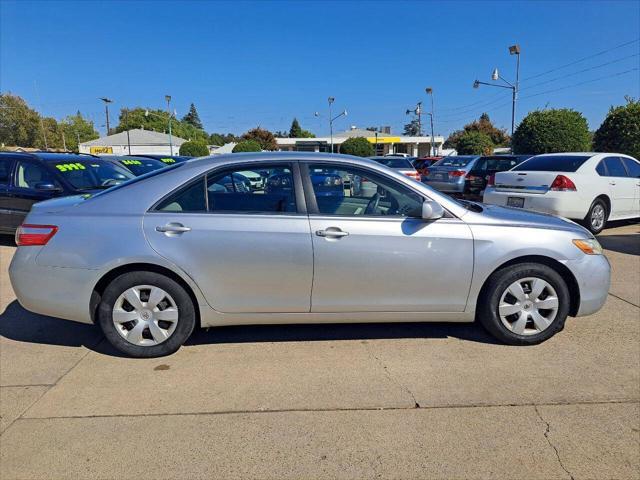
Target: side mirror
432, 210
46, 187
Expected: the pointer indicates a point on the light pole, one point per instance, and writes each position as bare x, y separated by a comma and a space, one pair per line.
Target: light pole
332, 119
418, 112
495, 76
168, 99
126, 119
107, 101
434, 151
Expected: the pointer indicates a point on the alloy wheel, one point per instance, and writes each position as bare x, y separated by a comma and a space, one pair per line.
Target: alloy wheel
597, 217
145, 315
528, 306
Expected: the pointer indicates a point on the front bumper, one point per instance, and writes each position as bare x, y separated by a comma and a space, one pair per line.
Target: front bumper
593, 274
53, 291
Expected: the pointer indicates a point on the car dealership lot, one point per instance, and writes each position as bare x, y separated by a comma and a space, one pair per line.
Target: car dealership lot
345, 401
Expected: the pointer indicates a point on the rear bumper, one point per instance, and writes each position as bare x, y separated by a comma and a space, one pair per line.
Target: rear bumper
454, 187
564, 204
593, 274
53, 291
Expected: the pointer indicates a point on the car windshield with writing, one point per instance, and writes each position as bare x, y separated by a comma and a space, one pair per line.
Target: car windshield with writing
92, 174
140, 166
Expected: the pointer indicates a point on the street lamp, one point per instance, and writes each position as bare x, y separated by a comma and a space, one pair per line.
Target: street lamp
495, 76
429, 91
332, 119
168, 99
107, 101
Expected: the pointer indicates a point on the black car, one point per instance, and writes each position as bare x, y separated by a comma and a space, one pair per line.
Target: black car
27, 178
167, 159
136, 165
486, 167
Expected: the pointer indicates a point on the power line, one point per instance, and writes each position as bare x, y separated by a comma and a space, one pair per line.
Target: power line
582, 71
581, 59
581, 83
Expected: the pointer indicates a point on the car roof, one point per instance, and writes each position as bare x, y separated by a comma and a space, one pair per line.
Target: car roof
569, 154
61, 157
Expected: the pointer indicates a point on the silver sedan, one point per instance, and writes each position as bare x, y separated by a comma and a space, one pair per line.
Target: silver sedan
190, 246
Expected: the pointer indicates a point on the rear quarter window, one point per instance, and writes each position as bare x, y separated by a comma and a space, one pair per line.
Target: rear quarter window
553, 163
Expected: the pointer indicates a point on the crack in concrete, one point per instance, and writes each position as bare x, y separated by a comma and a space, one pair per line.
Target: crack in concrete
393, 380
555, 449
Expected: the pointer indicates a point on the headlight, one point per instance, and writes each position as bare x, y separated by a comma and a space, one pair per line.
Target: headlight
589, 246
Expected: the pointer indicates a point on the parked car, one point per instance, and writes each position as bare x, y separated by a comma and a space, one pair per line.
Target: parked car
485, 168
401, 164
449, 174
167, 159
588, 187
136, 165
404, 253
422, 164
27, 178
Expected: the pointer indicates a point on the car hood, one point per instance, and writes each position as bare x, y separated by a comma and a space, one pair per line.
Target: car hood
58, 204
516, 217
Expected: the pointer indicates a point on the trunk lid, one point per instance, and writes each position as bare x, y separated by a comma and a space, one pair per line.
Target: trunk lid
59, 204
525, 181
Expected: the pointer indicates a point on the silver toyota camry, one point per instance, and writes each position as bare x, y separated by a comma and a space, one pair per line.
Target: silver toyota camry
193, 245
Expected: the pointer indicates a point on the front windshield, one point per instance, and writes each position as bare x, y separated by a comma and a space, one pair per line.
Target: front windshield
94, 174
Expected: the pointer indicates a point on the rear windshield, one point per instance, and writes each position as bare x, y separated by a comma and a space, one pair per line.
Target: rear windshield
453, 162
497, 163
152, 173
395, 162
92, 174
553, 163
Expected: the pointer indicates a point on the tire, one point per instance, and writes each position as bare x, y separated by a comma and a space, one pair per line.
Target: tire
497, 290
597, 216
168, 312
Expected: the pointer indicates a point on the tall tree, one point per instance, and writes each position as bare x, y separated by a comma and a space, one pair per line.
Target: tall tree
158, 120
192, 118
76, 127
620, 131
412, 128
19, 125
264, 137
552, 131
498, 136
295, 130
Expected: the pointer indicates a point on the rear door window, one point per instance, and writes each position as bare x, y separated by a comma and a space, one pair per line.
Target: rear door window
30, 174
615, 168
5, 170
633, 167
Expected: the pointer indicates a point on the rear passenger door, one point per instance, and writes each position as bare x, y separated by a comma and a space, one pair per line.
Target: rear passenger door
6, 167
247, 248
621, 187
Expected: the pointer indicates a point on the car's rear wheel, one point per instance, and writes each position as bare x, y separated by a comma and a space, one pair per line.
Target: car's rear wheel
146, 314
596, 218
524, 304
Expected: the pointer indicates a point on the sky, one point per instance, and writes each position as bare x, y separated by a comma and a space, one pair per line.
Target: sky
262, 63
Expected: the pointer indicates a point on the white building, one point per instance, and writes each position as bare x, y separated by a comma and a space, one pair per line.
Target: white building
383, 143
136, 141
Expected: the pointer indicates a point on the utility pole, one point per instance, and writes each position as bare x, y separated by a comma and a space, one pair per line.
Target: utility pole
418, 112
434, 150
168, 99
331, 100
126, 119
107, 101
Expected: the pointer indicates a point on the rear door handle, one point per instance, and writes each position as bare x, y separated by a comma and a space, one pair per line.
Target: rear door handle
173, 228
612, 183
331, 233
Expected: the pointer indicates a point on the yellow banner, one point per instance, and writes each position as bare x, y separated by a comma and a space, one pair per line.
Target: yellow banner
99, 150
384, 139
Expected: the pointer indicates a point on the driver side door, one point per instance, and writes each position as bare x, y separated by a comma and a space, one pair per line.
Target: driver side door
372, 250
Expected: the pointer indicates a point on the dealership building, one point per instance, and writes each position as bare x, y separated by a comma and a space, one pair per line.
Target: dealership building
384, 143
136, 141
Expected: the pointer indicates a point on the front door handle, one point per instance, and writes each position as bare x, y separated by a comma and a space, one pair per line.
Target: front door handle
331, 232
173, 228
612, 183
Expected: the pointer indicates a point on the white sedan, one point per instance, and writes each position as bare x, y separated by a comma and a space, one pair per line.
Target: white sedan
588, 187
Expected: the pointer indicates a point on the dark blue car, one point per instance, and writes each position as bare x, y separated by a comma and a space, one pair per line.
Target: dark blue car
27, 178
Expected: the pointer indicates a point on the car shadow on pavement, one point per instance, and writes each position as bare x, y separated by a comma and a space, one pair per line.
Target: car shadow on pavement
18, 324
7, 240
629, 243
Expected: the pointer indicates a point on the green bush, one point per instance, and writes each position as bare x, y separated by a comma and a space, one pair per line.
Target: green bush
552, 131
620, 131
358, 146
474, 143
194, 149
247, 146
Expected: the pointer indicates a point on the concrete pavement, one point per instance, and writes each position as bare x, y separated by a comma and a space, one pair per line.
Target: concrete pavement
332, 401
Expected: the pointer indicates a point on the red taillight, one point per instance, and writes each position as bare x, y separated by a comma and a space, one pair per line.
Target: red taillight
414, 175
34, 235
425, 172
457, 173
491, 181
563, 184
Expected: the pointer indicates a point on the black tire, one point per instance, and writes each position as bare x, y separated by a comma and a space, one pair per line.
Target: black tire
186, 314
587, 221
498, 282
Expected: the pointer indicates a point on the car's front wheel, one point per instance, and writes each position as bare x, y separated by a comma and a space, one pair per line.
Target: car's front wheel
146, 314
524, 304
